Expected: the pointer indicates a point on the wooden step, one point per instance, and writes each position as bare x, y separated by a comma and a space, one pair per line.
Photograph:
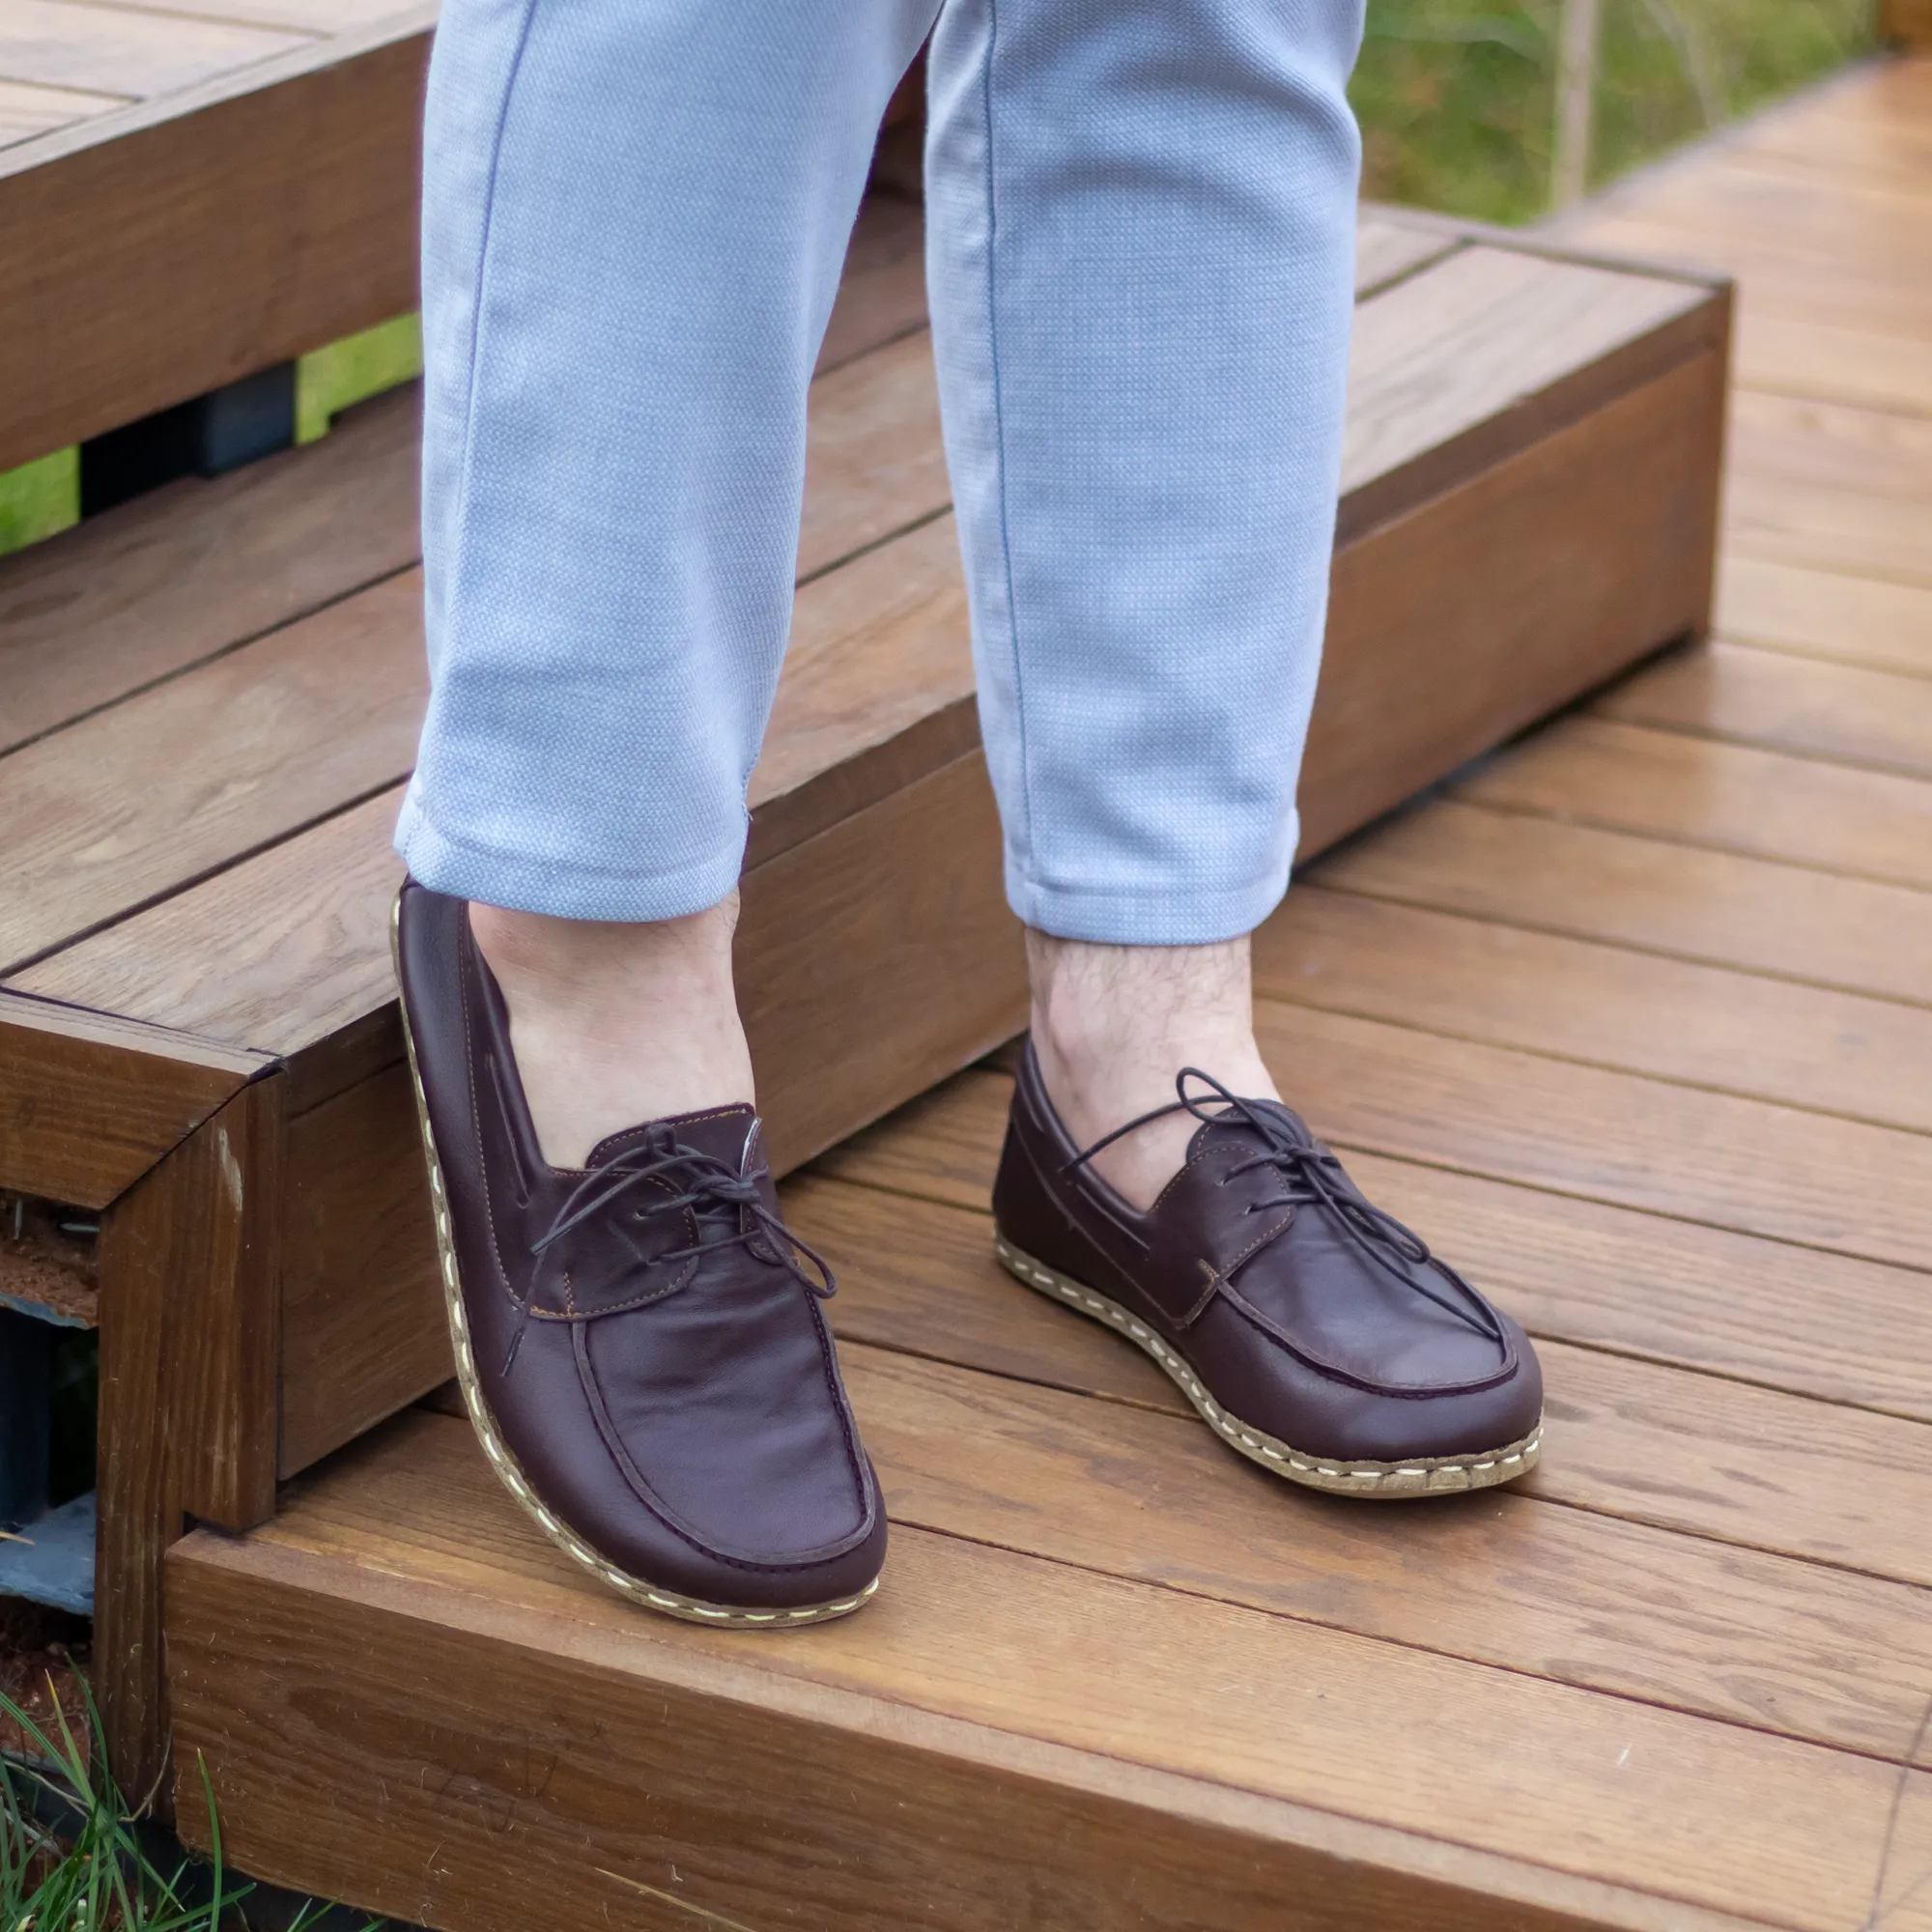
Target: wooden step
1113, 1667
195, 998
1630, 1020
189, 197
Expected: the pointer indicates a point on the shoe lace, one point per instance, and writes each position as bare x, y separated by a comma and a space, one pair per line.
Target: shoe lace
1312, 1176
705, 1185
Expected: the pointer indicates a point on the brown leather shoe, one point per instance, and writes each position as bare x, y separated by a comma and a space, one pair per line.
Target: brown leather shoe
1313, 1332
639, 1341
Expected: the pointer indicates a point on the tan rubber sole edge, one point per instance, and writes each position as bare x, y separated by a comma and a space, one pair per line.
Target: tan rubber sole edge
1425, 1476
666, 1603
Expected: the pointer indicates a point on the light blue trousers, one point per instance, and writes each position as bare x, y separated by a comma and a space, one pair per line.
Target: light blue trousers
1141, 233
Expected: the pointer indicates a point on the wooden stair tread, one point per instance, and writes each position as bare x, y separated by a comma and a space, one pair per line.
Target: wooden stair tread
27, 109
1867, 620
1861, 715
413, 1539
1723, 908
119, 50
879, 668
173, 578
1570, 1128
248, 194
1705, 1026
1736, 798
1629, 1020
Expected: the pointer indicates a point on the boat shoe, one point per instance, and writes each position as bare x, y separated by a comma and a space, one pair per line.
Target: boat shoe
1311, 1330
641, 1343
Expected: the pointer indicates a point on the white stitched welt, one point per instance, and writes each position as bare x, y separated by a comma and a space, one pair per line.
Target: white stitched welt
1359, 1479
513, 1478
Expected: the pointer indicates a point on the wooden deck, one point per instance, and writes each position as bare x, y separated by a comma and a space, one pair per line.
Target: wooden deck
1635, 1019
210, 694
192, 193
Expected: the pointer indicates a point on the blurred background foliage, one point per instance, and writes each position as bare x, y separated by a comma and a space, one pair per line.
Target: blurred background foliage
1456, 98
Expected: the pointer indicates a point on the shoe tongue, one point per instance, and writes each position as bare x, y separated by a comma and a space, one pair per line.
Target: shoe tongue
724, 1133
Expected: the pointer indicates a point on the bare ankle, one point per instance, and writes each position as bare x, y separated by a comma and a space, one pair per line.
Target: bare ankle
614, 1023
1113, 1026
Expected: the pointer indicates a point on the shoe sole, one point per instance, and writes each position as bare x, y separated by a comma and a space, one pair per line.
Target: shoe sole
1420, 1476
666, 1603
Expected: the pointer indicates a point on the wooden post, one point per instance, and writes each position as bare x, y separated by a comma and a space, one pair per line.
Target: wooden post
1580, 34
190, 1304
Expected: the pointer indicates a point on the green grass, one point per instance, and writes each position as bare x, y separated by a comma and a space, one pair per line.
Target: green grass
97, 1872
1457, 96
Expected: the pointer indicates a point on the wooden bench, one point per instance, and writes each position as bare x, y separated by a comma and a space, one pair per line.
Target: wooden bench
209, 699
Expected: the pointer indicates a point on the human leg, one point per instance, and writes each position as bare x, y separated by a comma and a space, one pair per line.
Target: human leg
634, 214
634, 221
1142, 235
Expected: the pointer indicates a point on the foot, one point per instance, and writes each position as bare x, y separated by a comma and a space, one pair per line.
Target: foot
1112, 1025
614, 1023
1311, 1330
641, 1343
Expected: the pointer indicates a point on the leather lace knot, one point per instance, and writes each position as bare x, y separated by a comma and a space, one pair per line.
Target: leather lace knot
729, 1210
1313, 1177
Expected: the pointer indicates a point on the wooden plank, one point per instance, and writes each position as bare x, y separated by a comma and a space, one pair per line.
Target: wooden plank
1907, 22
1825, 613
1872, 119
882, 288
289, 729
27, 110
114, 50
1675, 1019
1749, 1638
304, 16
1829, 485
1835, 362
877, 958
1719, 907
1811, 1179
281, 952
156, 586
873, 460
835, 744
1771, 275
88, 1104
1852, 225
190, 1341
1788, 703
1755, 1467
996, 1824
1490, 606
1387, 248
877, 688
981, 1640
1490, 350
1870, 454
944, 1146
1594, 771
362, 1323
1798, 1176
288, 948
156, 253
